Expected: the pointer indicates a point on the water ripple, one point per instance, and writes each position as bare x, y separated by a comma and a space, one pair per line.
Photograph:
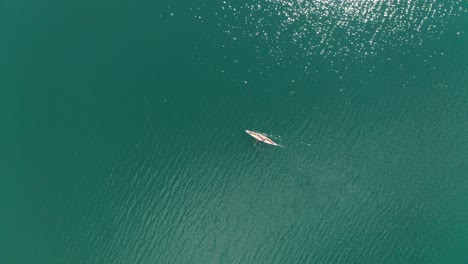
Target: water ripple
287, 31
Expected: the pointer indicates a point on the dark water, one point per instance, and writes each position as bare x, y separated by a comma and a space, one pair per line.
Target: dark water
122, 131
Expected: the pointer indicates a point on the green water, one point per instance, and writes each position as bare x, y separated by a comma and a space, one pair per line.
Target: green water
122, 131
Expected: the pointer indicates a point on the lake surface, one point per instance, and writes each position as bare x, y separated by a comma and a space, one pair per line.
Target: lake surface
122, 131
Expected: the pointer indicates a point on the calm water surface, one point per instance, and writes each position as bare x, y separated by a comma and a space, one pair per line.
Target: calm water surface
122, 131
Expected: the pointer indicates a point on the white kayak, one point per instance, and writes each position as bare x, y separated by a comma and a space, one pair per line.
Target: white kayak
263, 138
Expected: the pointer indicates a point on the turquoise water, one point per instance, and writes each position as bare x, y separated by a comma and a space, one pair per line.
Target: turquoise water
123, 131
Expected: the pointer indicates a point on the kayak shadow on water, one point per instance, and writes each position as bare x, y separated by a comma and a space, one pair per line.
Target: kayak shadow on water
264, 146
260, 146
295, 144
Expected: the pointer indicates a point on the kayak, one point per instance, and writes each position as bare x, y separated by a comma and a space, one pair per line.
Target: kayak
262, 137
